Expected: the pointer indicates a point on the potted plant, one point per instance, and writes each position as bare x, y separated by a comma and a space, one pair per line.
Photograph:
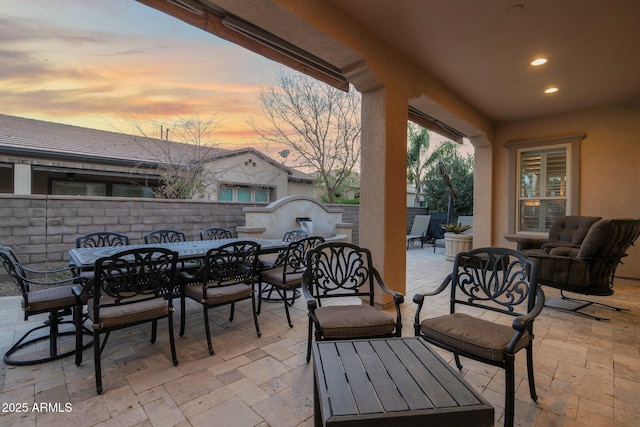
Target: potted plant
455, 239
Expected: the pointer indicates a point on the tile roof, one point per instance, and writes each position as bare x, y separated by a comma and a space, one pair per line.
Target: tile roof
24, 136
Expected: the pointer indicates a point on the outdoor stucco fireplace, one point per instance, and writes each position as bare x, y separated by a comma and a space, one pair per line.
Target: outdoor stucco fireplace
292, 213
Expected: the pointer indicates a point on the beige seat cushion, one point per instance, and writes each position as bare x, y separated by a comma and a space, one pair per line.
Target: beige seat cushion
50, 299
219, 294
476, 336
354, 321
274, 277
125, 314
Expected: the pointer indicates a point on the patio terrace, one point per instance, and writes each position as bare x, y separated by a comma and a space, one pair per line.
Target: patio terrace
587, 372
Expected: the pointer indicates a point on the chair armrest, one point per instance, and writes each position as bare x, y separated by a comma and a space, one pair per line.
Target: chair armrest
419, 299
397, 296
312, 303
523, 323
524, 244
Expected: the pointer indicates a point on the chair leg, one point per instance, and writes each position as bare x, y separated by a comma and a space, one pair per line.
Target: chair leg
255, 315
458, 364
182, 314
233, 310
77, 321
172, 341
154, 330
309, 340
286, 305
509, 394
97, 351
532, 382
259, 297
206, 328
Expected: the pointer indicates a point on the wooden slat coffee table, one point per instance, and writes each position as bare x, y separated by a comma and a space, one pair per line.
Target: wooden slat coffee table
391, 382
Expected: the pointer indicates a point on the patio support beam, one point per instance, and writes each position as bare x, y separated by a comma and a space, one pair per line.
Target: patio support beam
383, 185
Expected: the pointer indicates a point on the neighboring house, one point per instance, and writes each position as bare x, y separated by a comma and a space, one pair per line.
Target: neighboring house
38, 157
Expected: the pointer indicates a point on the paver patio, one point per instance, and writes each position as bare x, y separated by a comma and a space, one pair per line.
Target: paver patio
587, 372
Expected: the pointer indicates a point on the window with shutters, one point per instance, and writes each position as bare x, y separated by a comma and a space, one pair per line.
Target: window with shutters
543, 181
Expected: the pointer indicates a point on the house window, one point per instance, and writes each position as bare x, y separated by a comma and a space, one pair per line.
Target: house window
242, 193
6, 178
544, 182
129, 190
71, 188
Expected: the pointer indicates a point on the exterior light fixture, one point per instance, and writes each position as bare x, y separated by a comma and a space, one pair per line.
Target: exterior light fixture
551, 90
250, 162
538, 61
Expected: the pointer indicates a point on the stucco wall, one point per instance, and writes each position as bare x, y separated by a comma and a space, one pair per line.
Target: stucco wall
609, 166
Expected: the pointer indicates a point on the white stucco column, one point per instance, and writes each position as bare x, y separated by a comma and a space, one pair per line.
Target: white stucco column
21, 179
383, 185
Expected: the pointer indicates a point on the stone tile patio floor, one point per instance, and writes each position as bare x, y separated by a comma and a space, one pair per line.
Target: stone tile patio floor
587, 372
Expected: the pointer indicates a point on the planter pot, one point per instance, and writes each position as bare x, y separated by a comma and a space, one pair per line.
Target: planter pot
454, 243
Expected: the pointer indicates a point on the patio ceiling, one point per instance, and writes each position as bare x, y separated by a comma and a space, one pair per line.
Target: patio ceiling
480, 50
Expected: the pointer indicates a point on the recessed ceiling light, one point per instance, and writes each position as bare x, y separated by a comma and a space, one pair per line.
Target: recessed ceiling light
538, 61
551, 90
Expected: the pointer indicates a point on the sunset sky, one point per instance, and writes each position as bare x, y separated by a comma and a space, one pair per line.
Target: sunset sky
102, 63
108, 64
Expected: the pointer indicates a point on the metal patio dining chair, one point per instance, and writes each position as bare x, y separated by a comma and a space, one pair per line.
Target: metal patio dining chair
338, 271
215, 233
285, 275
228, 275
129, 288
43, 292
503, 282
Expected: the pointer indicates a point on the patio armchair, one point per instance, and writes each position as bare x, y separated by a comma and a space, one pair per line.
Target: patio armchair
129, 288
215, 233
590, 268
294, 235
497, 280
164, 236
171, 236
419, 230
101, 239
42, 292
565, 231
342, 271
229, 275
285, 275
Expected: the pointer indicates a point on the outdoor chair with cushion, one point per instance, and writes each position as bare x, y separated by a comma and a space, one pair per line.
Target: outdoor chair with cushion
294, 235
129, 288
228, 276
589, 269
215, 233
101, 239
343, 273
164, 236
488, 280
97, 240
171, 236
286, 274
419, 230
42, 292
565, 231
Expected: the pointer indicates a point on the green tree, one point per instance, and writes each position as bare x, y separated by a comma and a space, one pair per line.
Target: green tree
320, 123
420, 157
460, 171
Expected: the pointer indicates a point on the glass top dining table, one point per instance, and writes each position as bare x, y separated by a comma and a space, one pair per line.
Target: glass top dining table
86, 257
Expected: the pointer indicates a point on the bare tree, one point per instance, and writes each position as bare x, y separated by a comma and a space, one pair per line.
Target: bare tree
181, 153
319, 123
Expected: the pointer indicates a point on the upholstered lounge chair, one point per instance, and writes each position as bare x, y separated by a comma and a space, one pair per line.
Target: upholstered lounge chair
589, 269
566, 231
